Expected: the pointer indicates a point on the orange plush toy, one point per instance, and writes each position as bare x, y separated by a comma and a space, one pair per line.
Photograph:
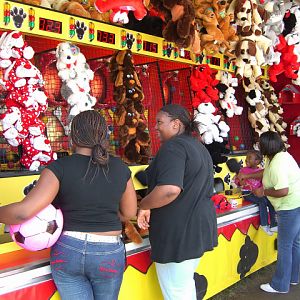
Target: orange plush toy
132, 233
213, 39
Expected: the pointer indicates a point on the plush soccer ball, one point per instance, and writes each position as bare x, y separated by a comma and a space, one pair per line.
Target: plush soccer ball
41, 231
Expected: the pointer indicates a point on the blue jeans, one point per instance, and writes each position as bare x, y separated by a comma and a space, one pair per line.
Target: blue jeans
263, 203
288, 257
87, 270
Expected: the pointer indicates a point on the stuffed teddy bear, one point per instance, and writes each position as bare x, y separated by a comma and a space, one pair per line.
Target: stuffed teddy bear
137, 149
225, 20
210, 127
29, 98
124, 76
213, 39
274, 25
250, 84
20, 73
295, 127
227, 99
290, 18
70, 7
12, 125
257, 116
180, 17
242, 14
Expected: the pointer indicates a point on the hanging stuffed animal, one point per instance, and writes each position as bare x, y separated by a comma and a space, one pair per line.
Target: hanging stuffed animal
210, 127
180, 19
25, 100
120, 9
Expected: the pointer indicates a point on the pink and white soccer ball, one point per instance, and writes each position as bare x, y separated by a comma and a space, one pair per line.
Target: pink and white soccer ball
41, 231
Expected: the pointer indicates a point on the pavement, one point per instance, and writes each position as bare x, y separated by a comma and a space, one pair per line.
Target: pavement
248, 288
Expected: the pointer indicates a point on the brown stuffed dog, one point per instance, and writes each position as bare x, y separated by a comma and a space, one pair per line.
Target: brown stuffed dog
246, 61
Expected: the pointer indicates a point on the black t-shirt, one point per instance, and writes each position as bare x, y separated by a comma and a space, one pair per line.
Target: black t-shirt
89, 206
187, 227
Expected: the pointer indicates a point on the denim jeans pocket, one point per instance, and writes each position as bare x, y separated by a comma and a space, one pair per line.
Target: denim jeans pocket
75, 262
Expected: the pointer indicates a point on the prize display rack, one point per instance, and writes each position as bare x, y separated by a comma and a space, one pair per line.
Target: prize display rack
42, 22
25, 274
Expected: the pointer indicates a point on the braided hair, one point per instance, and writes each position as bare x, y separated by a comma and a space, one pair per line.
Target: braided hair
176, 111
89, 130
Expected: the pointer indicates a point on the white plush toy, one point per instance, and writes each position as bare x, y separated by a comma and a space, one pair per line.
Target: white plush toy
254, 97
79, 84
229, 103
227, 98
12, 46
80, 102
69, 59
11, 117
210, 126
12, 125
296, 129
76, 92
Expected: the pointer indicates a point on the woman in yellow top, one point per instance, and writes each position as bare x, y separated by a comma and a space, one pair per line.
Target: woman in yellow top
281, 184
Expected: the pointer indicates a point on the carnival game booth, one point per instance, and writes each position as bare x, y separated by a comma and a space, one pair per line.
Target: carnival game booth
166, 74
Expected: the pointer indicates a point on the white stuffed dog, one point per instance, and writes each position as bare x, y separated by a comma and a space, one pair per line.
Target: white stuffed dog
69, 59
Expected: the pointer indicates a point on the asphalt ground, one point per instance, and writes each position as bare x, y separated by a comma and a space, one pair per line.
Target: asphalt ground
248, 288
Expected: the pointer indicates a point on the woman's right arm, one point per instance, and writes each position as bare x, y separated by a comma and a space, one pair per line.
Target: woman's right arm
257, 175
128, 203
37, 199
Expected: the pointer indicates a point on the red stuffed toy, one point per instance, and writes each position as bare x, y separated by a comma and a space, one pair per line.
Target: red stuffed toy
120, 9
288, 61
25, 101
220, 202
203, 83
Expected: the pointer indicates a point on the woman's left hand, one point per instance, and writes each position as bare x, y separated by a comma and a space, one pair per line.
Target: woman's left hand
143, 218
259, 192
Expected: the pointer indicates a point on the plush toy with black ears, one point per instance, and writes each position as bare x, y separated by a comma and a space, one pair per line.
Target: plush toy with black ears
218, 152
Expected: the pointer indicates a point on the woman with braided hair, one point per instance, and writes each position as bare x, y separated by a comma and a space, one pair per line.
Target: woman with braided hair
95, 192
